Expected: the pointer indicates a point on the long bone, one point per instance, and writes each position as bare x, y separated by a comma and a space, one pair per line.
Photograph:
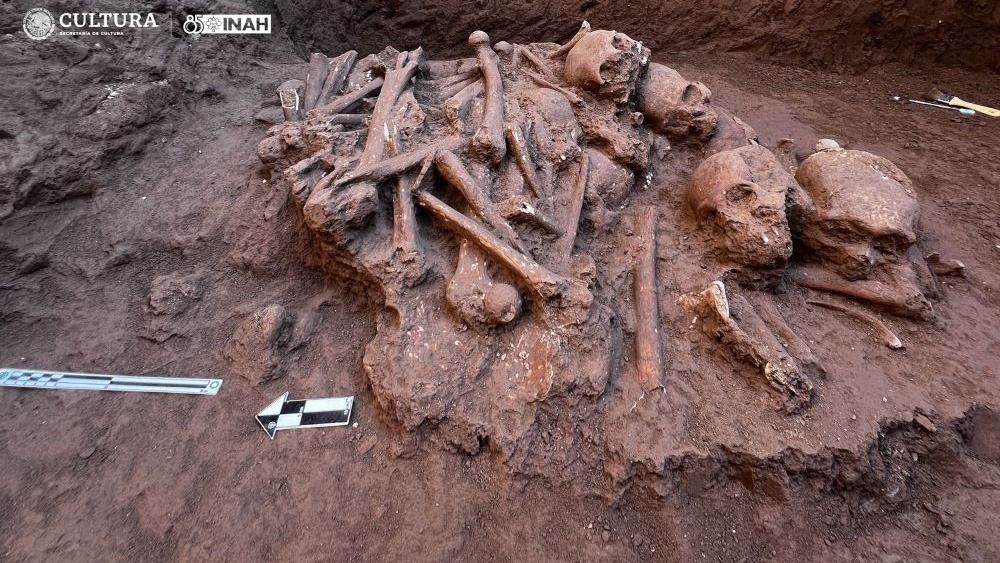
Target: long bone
547, 285
878, 293
344, 102
571, 222
765, 307
888, 337
290, 95
522, 52
573, 98
648, 356
394, 83
560, 51
401, 163
338, 71
451, 169
449, 91
319, 67
489, 137
518, 146
404, 224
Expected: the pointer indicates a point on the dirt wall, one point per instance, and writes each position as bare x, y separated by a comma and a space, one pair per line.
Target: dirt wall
856, 33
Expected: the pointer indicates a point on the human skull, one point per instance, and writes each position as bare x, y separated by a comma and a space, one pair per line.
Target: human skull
607, 63
865, 214
741, 193
675, 106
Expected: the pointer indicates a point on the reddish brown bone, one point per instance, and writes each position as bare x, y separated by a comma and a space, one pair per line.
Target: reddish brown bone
522, 52
290, 95
584, 30
451, 169
337, 72
543, 282
404, 224
573, 98
401, 163
564, 246
380, 130
648, 358
319, 67
888, 297
347, 100
489, 138
515, 137
887, 336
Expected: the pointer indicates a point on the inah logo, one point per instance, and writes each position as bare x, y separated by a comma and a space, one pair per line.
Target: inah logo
39, 23
227, 24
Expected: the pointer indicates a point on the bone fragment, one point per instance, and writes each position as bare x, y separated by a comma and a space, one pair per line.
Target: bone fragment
573, 98
522, 52
404, 224
887, 336
347, 119
290, 94
942, 267
561, 51
489, 138
750, 340
515, 138
540, 280
337, 72
467, 76
519, 208
347, 100
571, 221
395, 165
319, 67
449, 91
767, 310
648, 358
451, 169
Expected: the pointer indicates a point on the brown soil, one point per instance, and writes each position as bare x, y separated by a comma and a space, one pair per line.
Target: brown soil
897, 460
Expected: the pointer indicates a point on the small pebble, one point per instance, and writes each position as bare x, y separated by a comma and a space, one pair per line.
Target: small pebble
85, 454
606, 536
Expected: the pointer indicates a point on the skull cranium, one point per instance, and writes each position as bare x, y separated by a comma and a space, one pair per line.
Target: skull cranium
675, 106
742, 193
607, 63
866, 212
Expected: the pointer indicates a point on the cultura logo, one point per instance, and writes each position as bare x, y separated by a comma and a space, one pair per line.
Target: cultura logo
39, 23
227, 24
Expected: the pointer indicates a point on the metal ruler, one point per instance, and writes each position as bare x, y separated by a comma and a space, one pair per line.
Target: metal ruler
34, 379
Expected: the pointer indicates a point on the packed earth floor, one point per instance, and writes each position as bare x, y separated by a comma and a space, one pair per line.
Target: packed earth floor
149, 232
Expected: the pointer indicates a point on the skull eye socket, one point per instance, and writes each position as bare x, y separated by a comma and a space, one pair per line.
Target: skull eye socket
741, 193
692, 93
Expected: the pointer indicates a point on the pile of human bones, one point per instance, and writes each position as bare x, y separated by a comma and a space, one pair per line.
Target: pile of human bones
511, 208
